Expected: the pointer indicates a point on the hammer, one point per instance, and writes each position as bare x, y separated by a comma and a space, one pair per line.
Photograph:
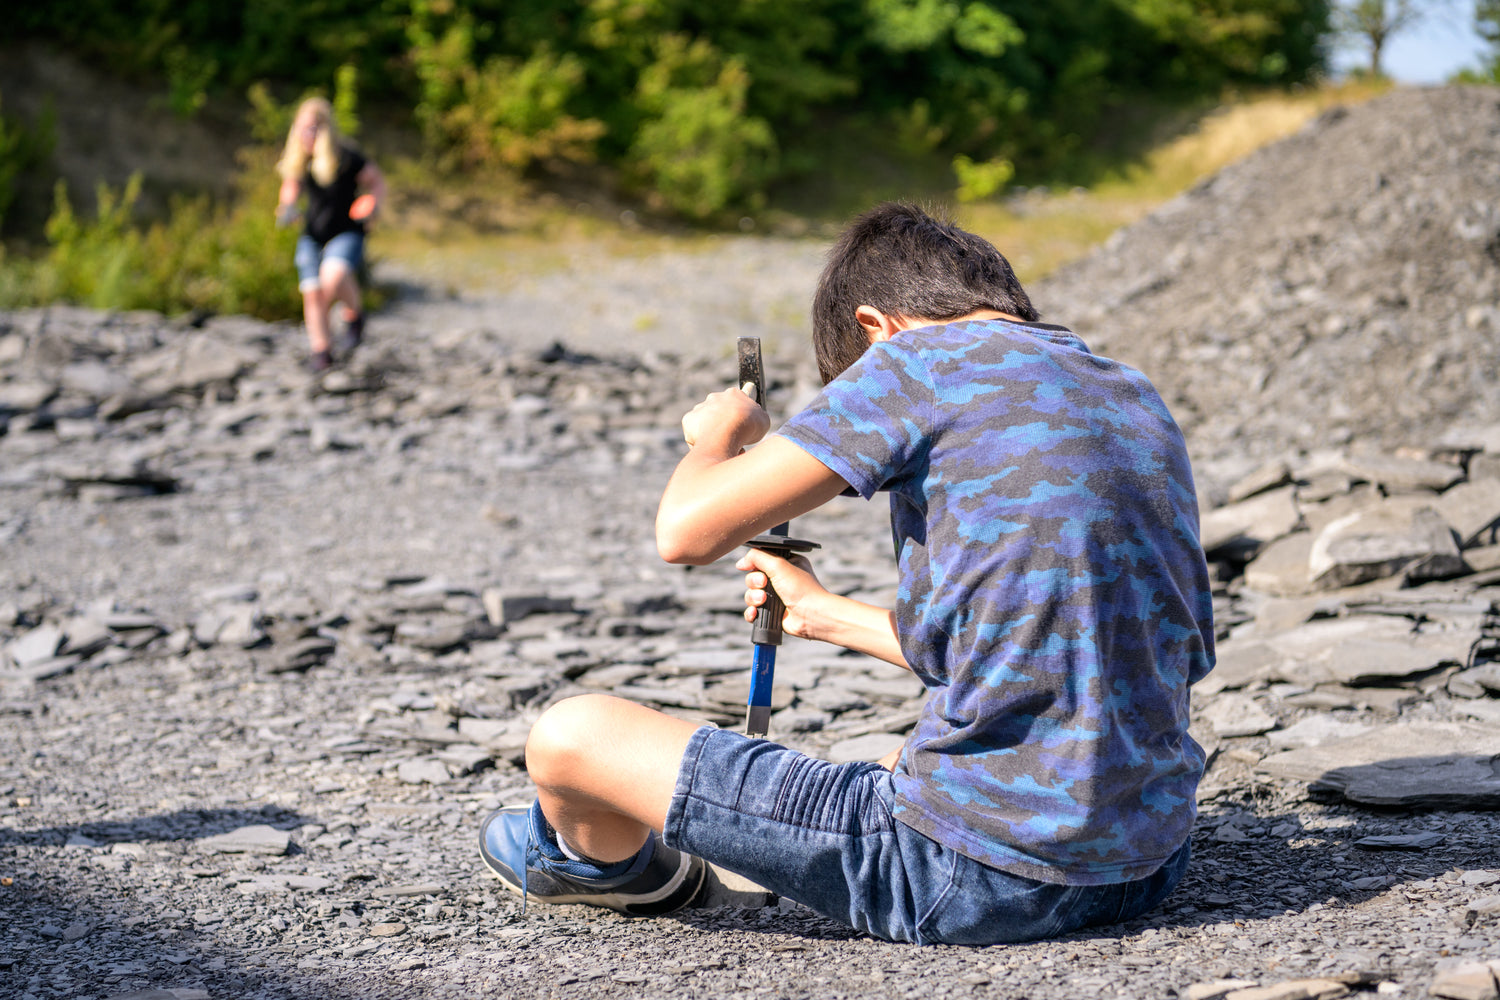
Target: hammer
765, 631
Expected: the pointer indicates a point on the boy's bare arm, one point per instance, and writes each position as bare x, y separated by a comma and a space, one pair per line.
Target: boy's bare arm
814, 612
721, 496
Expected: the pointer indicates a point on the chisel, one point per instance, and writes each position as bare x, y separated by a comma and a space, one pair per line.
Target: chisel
765, 632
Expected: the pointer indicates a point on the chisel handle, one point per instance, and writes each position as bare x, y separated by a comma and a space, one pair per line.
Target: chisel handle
766, 629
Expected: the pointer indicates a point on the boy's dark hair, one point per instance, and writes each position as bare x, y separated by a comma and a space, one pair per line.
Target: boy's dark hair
902, 261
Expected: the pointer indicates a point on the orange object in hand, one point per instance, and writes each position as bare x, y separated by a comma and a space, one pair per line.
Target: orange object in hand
363, 207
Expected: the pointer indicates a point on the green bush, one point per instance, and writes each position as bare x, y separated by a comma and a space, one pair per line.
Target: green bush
201, 257
699, 150
501, 111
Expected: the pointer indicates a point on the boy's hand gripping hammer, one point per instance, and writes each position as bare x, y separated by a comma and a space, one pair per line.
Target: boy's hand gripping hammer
765, 632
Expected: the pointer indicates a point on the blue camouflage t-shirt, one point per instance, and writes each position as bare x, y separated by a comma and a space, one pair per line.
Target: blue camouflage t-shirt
1053, 596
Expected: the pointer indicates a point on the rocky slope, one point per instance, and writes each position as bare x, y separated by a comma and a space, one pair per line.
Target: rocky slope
1338, 286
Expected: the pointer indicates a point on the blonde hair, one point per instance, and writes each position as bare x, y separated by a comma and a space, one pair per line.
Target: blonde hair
323, 161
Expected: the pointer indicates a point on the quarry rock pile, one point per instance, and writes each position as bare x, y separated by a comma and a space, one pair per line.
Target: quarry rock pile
1338, 288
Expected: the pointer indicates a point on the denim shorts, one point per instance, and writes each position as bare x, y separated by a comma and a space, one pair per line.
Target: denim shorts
346, 247
822, 834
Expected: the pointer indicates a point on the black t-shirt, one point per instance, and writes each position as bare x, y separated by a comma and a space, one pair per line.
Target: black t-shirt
328, 207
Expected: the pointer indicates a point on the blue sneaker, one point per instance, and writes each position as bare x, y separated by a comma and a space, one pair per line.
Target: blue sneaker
516, 848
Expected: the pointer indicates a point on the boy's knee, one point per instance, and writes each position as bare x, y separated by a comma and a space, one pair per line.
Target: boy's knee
563, 734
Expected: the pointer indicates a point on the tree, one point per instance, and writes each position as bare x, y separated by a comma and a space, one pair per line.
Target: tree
1487, 24
1375, 21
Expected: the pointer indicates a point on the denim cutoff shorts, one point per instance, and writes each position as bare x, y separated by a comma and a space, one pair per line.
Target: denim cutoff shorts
822, 834
346, 247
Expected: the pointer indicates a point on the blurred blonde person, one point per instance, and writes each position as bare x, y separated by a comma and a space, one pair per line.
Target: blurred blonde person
343, 190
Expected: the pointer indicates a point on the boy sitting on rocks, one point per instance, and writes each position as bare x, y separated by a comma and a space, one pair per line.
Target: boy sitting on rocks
1053, 599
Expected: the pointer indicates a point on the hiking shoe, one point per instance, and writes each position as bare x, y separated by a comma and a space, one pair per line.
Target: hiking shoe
517, 849
353, 335
319, 361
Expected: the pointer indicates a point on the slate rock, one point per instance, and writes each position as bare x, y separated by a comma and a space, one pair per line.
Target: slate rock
1282, 568
1235, 714
1483, 908
465, 758
869, 747
1396, 741
504, 607
1447, 781
204, 360
1383, 541
1374, 661
55, 666
1472, 510
302, 655
1396, 474
229, 593
1297, 989
505, 735
254, 839
24, 396
1476, 682
1266, 477
409, 890
263, 884
1401, 842
1239, 664
1251, 524
1215, 990
93, 378
1469, 981
41, 643
84, 636
134, 477
1315, 730
424, 770
800, 720
1304, 649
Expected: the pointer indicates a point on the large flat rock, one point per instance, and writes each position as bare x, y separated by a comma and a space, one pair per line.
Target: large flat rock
1449, 765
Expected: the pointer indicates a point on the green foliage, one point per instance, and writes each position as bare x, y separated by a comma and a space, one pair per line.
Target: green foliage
188, 76
269, 120
201, 257
978, 181
22, 149
1487, 25
706, 105
505, 112
700, 151
346, 99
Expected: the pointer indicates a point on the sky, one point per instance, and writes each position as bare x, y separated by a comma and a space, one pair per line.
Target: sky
1430, 51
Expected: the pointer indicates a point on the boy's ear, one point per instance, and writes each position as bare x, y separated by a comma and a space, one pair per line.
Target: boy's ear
877, 325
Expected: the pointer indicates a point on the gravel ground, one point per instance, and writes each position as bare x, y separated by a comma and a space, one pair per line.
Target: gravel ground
294, 631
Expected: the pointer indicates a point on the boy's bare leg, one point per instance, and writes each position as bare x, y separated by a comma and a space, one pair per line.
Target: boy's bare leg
605, 770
